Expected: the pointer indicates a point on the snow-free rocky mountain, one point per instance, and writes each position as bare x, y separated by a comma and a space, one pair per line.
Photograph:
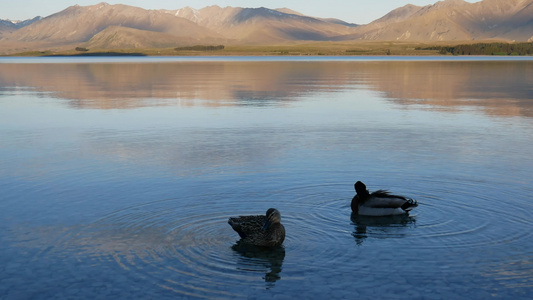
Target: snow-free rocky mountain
105, 26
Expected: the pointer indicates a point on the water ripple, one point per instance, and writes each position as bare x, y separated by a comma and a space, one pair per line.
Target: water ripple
184, 245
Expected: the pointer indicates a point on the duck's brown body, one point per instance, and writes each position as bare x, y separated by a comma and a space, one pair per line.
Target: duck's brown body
262, 231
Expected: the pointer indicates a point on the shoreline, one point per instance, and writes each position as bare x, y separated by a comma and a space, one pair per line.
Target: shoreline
488, 48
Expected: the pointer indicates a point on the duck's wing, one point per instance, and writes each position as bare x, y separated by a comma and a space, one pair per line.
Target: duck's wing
247, 225
383, 199
273, 237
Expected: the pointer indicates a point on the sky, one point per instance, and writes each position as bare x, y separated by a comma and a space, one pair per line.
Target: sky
353, 11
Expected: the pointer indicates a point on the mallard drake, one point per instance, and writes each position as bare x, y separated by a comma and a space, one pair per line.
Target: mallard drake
380, 202
262, 231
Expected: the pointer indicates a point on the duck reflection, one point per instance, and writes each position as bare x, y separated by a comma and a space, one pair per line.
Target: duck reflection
380, 227
253, 257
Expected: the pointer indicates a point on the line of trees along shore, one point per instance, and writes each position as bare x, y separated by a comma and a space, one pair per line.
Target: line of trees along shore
200, 48
485, 49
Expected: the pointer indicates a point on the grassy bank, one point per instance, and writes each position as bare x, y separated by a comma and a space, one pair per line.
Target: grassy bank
313, 48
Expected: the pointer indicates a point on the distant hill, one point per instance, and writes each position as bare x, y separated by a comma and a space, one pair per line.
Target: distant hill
7, 26
105, 26
263, 25
120, 37
78, 24
453, 20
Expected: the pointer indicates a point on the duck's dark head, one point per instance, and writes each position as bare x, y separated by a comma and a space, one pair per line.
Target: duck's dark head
273, 216
360, 189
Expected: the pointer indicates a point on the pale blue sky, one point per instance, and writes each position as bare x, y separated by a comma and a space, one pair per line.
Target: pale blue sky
354, 11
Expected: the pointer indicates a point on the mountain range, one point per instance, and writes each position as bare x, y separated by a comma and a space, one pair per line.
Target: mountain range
105, 26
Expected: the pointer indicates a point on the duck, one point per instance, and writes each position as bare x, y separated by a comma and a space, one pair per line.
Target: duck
261, 230
380, 202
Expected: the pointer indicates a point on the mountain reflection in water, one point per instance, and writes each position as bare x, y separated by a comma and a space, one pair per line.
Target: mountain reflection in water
496, 87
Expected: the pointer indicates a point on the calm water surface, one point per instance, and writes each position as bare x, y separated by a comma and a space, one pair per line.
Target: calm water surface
118, 176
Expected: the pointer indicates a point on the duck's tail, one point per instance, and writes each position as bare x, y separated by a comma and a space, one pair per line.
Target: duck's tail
409, 204
235, 223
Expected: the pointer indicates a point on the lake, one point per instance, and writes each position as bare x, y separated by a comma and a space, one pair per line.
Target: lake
118, 176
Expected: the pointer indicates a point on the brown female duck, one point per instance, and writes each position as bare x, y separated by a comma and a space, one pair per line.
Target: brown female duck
262, 231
